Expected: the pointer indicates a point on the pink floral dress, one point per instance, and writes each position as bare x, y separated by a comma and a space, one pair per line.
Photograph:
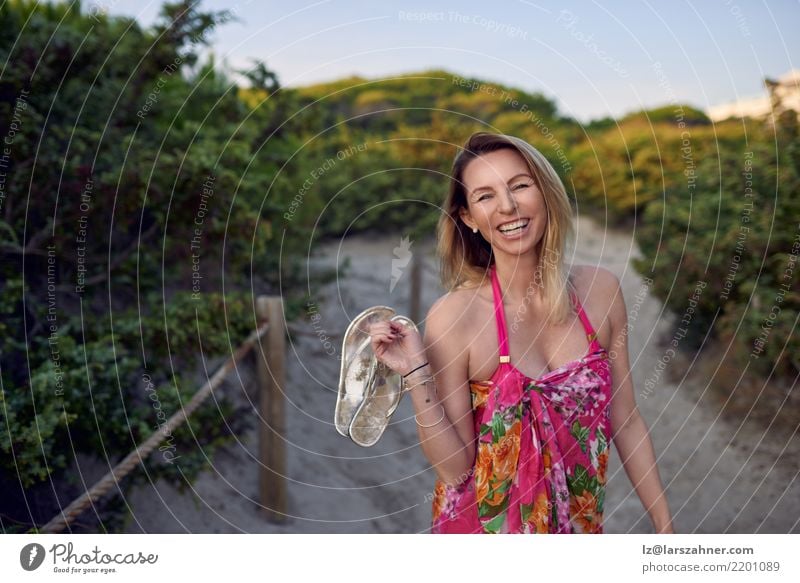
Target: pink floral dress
542, 449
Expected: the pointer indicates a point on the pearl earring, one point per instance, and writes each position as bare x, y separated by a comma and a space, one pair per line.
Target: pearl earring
474, 229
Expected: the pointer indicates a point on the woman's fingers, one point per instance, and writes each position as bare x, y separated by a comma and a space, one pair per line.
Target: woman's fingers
381, 337
398, 328
382, 330
377, 327
388, 341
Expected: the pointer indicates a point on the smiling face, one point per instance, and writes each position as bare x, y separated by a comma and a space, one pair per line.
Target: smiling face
504, 202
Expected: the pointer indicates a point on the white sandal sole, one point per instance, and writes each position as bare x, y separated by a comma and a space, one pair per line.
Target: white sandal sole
384, 394
357, 366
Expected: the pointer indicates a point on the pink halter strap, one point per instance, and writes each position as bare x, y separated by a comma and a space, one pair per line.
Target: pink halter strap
500, 317
499, 314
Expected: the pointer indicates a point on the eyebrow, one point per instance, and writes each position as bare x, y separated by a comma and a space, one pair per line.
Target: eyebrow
474, 190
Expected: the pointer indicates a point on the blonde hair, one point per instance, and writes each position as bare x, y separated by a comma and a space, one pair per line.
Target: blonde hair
466, 256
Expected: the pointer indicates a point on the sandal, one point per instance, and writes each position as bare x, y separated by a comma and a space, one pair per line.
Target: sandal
385, 390
357, 366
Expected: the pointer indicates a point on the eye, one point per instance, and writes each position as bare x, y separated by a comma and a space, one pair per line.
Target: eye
482, 196
522, 185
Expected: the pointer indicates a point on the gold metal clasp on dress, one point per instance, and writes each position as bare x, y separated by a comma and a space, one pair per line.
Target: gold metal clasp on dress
505, 358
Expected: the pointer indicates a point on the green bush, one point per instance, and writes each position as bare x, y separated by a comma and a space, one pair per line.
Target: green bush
117, 131
735, 238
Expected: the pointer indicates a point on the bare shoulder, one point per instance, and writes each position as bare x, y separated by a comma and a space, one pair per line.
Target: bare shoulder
446, 341
594, 278
450, 314
600, 294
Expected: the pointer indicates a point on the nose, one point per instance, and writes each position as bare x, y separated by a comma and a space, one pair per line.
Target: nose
508, 204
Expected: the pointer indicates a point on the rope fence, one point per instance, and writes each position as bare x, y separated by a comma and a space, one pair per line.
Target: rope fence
270, 363
270, 369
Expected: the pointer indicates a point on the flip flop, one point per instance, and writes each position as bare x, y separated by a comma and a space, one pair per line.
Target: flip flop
384, 393
357, 366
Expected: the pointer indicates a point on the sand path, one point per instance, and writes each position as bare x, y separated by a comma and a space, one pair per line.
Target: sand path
720, 477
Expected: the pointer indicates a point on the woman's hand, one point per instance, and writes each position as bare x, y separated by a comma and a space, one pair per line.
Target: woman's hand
397, 346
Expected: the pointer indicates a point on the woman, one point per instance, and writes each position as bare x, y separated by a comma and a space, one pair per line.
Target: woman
515, 412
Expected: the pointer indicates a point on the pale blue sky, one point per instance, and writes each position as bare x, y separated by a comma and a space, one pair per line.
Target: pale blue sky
594, 59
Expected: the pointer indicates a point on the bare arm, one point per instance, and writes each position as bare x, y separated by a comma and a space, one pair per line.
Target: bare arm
629, 430
449, 445
445, 404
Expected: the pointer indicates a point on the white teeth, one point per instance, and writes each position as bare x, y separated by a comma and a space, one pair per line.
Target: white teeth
514, 225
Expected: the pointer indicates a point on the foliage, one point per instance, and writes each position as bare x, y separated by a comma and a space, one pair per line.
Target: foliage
129, 165
731, 245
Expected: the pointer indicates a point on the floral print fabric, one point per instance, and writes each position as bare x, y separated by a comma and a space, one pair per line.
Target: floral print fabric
542, 448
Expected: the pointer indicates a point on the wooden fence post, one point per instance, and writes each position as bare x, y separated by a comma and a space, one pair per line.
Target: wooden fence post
271, 371
415, 288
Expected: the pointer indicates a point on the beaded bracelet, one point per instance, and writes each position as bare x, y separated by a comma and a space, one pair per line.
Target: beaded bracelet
432, 424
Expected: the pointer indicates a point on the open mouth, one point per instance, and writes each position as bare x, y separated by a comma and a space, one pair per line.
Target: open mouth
514, 228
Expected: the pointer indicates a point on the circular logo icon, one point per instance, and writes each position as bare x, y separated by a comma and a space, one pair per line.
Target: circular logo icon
31, 556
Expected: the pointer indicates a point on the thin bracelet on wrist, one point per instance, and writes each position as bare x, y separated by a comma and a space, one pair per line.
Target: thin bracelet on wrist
416, 369
432, 424
426, 381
